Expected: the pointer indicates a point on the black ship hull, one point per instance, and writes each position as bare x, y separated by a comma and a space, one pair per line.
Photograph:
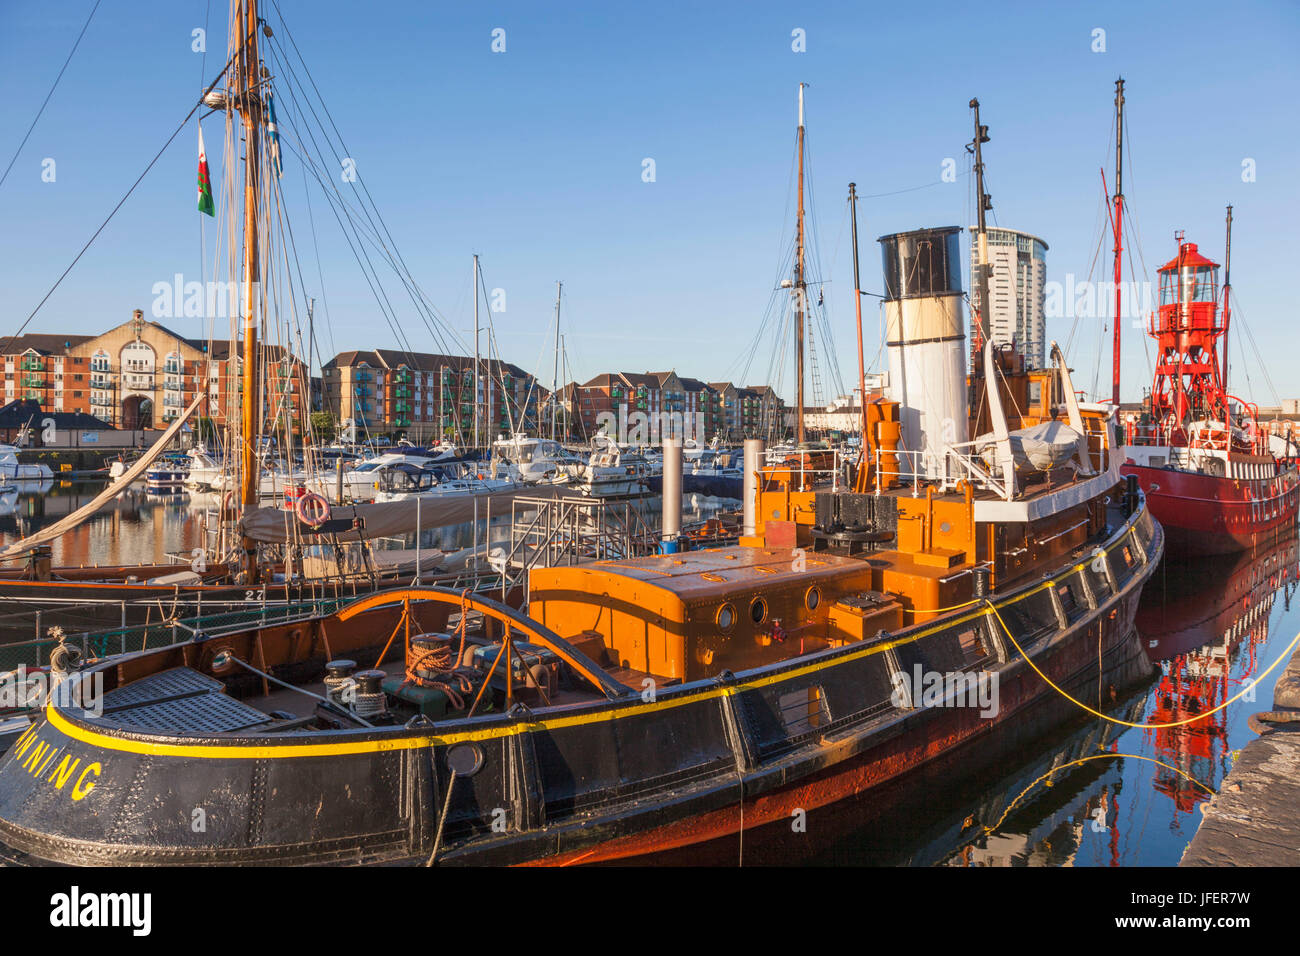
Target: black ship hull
620, 780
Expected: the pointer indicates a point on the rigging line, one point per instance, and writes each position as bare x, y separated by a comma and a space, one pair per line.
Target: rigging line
376, 285
911, 189
423, 307
320, 272
381, 297
365, 233
53, 87
500, 371
361, 229
1096, 255
120, 203
359, 180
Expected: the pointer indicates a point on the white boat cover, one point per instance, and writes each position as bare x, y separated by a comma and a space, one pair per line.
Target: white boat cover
1038, 448
361, 522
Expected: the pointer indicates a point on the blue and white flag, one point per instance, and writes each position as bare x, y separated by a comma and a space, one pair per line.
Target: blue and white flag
273, 135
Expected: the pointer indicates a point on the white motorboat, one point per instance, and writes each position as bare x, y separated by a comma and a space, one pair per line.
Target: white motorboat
403, 481
613, 471
13, 470
538, 460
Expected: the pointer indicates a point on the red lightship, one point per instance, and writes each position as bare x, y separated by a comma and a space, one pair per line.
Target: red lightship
1211, 474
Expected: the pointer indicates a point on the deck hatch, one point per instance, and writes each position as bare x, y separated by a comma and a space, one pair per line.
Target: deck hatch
181, 701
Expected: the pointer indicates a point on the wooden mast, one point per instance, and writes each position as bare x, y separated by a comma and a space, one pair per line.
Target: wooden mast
800, 294
248, 102
1119, 231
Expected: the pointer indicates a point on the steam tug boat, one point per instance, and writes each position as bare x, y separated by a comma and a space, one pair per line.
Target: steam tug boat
1215, 479
879, 616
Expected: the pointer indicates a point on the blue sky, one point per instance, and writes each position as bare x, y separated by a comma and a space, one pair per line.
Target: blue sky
532, 158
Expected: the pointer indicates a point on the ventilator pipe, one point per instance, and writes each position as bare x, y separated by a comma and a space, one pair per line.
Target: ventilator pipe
672, 485
754, 449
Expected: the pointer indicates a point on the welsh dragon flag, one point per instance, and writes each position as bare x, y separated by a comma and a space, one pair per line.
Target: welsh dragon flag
205, 183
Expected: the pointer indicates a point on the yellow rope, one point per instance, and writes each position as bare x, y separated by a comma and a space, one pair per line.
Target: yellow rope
1011, 806
941, 610
1124, 723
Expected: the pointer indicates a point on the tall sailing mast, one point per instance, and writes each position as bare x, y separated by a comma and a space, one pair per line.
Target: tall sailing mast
555, 374
248, 102
476, 355
800, 292
1118, 227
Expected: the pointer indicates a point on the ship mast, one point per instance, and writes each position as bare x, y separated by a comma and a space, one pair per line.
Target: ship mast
248, 102
860, 484
800, 292
555, 374
476, 356
1118, 224
1227, 311
983, 203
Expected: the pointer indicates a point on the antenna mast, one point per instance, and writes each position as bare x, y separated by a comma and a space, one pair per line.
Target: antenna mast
1227, 285
800, 293
984, 202
1119, 230
862, 368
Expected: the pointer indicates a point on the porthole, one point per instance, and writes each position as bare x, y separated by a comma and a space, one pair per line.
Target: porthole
813, 598
758, 611
725, 618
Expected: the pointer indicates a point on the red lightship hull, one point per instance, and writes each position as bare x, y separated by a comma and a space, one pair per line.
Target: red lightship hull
1208, 514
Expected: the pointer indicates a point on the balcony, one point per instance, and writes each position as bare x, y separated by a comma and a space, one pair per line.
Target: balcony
32, 381
33, 365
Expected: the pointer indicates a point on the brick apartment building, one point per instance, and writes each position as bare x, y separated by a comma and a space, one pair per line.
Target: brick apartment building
429, 396
728, 411
142, 375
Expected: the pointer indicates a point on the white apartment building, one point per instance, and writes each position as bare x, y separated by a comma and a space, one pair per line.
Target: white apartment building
1017, 292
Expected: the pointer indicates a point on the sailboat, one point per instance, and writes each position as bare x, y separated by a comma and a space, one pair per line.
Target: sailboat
241, 569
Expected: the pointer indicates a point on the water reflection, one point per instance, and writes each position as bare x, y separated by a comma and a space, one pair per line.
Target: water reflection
1212, 627
142, 527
